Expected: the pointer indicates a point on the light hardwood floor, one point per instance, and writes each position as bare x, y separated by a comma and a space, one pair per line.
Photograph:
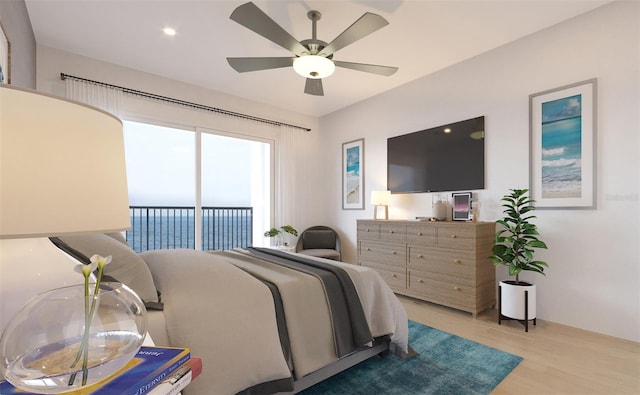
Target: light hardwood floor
557, 359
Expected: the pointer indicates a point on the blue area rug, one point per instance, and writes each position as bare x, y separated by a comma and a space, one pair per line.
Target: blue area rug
446, 364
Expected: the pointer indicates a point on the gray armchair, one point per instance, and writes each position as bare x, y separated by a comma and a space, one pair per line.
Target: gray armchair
320, 241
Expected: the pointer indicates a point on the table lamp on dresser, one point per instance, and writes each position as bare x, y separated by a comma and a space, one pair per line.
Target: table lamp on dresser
380, 199
62, 171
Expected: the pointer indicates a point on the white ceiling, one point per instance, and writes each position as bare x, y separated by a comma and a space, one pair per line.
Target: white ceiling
422, 37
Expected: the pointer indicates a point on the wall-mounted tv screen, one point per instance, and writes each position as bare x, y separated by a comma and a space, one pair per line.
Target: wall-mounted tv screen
445, 158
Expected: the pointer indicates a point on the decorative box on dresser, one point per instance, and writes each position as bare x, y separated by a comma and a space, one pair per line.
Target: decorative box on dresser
441, 262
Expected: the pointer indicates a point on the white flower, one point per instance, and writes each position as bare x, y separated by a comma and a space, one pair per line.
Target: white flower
85, 270
100, 261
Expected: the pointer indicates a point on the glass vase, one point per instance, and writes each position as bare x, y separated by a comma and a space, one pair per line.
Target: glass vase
62, 340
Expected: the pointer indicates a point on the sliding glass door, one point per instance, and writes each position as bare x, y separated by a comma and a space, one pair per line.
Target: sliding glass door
196, 189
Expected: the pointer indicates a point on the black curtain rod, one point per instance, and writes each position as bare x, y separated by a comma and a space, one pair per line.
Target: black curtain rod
153, 96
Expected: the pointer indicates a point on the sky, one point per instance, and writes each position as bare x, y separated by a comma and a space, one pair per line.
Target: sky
161, 167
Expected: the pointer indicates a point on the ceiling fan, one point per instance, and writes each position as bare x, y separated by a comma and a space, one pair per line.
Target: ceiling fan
313, 58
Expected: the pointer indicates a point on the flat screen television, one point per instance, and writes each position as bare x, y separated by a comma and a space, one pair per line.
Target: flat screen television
445, 158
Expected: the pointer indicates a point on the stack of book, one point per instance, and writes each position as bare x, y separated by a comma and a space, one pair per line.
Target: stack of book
153, 371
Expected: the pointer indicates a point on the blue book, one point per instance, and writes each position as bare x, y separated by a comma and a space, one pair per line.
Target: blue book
150, 367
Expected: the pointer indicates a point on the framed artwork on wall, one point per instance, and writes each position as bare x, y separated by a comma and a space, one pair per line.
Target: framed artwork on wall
562, 141
353, 175
5, 57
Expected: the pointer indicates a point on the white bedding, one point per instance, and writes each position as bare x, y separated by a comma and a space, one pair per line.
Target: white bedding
226, 317
223, 315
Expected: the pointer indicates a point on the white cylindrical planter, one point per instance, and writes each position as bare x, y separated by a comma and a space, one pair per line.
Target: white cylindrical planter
512, 300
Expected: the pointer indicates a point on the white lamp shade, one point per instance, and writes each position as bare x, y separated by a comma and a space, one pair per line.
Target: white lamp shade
62, 167
380, 198
62, 171
313, 66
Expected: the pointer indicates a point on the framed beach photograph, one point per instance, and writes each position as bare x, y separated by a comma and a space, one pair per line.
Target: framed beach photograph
353, 175
5, 57
563, 146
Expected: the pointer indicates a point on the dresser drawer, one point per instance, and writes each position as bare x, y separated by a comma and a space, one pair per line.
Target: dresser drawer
444, 292
422, 234
368, 231
457, 265
393, 232
456, 237
386, 254
448, 272
395, 279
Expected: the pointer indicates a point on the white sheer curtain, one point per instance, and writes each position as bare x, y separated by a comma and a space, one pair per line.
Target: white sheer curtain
290, 178
103, 97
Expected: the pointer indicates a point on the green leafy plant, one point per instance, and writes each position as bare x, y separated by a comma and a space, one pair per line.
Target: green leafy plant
273, 232
516, 242
289, 229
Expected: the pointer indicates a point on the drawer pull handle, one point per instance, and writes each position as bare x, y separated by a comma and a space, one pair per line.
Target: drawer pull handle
367, 230
394, 275
456, 261
368, 249
456, 288
394, 253
419, 233
421, 281
453, 236
391, 231
420, 256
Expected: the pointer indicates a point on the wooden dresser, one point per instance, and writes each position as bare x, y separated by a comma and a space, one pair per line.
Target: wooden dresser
440, 262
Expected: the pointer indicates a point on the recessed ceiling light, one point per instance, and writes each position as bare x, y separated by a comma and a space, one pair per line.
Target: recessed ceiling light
447, 130
169, 31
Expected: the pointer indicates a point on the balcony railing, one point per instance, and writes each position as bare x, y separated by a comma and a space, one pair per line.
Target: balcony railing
162, 227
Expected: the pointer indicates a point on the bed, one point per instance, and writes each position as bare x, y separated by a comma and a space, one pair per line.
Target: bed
263, 321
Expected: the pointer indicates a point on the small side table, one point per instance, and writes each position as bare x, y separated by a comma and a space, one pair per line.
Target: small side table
288, 248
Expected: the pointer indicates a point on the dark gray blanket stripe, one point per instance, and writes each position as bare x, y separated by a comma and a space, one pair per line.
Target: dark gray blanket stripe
283, 333
357, 319
270, 387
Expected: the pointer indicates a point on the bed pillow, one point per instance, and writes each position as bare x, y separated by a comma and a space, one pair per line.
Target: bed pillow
125, 267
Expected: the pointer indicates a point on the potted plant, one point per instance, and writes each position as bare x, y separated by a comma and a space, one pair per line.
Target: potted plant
515, 244
275, 232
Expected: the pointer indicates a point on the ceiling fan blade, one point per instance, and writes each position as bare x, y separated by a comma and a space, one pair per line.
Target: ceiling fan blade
313, 86
367, 68
367, 24
253, 18
243, 65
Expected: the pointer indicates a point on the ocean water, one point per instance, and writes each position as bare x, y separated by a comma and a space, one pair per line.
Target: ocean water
562, 158
353, 160
165, 231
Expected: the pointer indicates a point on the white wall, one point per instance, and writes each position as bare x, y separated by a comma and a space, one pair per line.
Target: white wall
52, 62
594, 277
17, 27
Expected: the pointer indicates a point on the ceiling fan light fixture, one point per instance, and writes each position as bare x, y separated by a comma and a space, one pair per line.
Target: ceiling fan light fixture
314, 66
